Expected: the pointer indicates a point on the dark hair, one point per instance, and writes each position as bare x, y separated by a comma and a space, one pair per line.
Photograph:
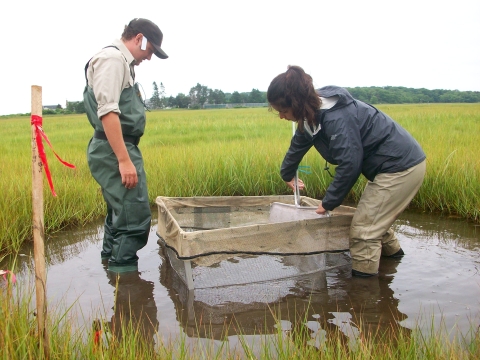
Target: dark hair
129, 32
294, 89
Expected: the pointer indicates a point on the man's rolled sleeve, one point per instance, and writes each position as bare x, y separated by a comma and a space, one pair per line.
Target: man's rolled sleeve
108, 83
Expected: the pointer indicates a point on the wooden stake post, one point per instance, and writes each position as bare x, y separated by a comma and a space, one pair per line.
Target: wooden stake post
38, 225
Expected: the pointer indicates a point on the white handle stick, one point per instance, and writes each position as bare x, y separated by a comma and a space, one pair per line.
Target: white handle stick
296, 190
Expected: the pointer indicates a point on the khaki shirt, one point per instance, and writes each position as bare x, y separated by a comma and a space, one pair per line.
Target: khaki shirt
109, 72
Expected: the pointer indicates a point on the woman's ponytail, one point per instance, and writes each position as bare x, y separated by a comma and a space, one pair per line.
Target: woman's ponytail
294, 89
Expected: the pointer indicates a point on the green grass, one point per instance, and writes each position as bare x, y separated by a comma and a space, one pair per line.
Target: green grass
67, 340
223, 152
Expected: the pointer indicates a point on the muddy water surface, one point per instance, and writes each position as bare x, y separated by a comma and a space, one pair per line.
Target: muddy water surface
437, 282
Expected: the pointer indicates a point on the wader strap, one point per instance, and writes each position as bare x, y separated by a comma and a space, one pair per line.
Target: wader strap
135, 140
86, 67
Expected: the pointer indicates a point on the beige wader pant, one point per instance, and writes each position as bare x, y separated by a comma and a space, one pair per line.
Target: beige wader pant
382, 202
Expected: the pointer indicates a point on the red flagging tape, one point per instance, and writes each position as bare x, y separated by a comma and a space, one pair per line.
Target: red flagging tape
39, 134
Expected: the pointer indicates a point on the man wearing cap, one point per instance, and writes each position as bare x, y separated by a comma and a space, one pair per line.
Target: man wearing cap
116, 111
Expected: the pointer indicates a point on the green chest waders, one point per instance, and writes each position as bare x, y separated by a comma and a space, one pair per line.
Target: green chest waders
127, 224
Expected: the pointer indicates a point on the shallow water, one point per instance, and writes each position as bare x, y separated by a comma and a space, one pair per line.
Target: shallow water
437, 282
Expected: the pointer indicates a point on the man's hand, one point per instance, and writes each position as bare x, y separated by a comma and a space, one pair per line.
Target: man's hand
113, 130
128, 173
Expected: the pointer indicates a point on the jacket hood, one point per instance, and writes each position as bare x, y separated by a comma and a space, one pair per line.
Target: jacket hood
345, 97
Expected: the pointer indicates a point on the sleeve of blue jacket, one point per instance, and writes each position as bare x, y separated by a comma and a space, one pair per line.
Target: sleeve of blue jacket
347, 151
299, 146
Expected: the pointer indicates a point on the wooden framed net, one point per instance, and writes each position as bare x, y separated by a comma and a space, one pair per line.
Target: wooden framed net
207, 230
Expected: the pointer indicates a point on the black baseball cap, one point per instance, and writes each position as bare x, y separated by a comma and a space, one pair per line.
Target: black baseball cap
151, 32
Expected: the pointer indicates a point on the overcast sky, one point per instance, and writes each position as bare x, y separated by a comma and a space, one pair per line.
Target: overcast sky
240, 45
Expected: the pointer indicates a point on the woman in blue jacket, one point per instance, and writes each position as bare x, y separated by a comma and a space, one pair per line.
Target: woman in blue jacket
359, 139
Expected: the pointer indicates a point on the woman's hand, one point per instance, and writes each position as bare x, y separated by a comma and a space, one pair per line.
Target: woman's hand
320, 210
291, 184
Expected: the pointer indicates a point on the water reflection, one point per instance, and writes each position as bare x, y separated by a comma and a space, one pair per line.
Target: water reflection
449, 231
326, 302
439, 275
61, 247
134, 306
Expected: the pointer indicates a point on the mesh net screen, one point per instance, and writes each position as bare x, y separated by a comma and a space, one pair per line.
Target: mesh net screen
205, 227
247, 302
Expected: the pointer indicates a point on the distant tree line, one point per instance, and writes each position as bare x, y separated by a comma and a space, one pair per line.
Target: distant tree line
403, 95
73, 107
200, 95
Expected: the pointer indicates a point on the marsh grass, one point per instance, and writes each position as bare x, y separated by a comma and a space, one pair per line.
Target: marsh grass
224, 152
67, 340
